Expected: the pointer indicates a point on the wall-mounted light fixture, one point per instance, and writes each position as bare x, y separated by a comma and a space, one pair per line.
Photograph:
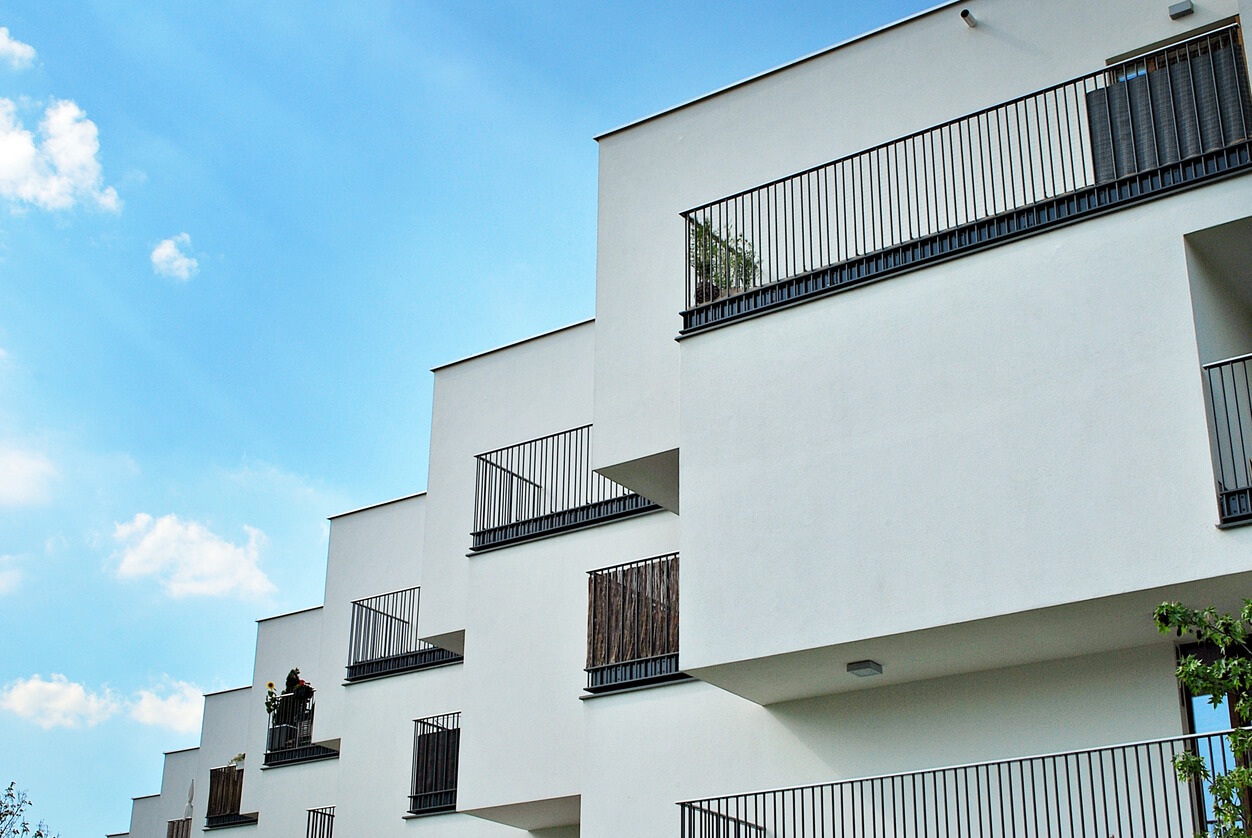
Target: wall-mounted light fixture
1180, 9
864, 669
968, 17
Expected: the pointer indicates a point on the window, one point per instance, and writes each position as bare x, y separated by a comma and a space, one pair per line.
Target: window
225, 794
632, 624
1169, 105
436, 749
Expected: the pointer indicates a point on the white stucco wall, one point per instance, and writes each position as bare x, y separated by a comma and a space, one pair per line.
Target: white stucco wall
1008, 431
284, 642
890, 84
373, 551
646, 750
525, 657
538, 387
146, 817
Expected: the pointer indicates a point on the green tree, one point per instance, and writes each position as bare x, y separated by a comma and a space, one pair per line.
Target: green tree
1227, 676
13, 823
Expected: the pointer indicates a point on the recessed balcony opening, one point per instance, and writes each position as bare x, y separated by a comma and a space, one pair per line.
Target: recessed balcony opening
384, 637
1121, 790
225, 795
632, 624
1219, 266
543, 487
290, 735
436, 752
1167, 120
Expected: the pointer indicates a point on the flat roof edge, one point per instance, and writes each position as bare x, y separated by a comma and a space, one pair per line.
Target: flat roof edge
231, 689
478, 355
375, 505
764, 73
290, 614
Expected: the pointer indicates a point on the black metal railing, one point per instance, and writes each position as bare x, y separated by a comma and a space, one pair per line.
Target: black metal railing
436, 750
290, 735
545, 486
384, 637
321, 823
1122, 790
180, 828
632, 624
1165, 120
225, 795
1229, 409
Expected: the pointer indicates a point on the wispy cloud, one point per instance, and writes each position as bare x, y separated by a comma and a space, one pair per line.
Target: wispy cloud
57, 169
177, 705
188, 559
168, 258
10, 575
24, 477
58, 702
19, 55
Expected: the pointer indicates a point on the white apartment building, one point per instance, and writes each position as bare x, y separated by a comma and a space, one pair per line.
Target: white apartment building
925, 358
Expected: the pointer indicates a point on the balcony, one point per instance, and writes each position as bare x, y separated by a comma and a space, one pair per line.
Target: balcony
543, 487
384, 638
290, 735
225, 794
180, 828
436, 750
321, 823
632, 624
1168, 120
1122, 790
1229, 409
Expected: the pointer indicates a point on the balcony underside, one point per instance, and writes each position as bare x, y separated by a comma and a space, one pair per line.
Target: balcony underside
1236, 507
636, 673
305, 753
397, 664
1108, 623
563, 521
229, 820
1072, 207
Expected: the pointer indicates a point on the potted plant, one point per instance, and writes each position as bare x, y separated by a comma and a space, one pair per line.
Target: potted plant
722, 264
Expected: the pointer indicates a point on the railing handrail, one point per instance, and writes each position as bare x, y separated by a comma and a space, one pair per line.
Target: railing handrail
387, 593
670, 555
962, 766
531, 441
1230, 27
1224, 362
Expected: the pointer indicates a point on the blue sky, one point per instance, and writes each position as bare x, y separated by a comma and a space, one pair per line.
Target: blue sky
234, 237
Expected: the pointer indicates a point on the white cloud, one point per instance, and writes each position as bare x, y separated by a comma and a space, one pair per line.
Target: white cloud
176, 705
169, 260
57, 169
57, 702
18, 54
10, 576
188, 559
24, 477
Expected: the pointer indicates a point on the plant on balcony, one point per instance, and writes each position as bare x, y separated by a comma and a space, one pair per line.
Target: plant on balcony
295, 690
722, 264
1227, 675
